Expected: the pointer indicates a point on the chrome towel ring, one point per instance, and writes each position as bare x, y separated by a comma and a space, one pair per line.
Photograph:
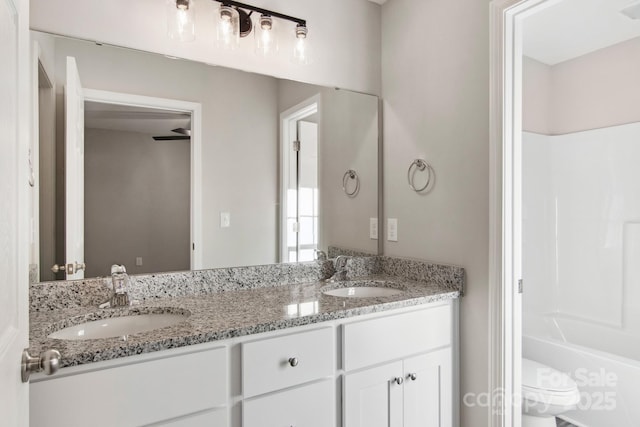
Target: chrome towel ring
418, 165
350, 174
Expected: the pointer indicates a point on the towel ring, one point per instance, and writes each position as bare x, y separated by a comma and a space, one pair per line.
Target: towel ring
350, 174
420, 165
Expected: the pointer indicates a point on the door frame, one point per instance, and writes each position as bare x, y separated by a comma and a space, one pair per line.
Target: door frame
193, 108
505, 235
14, 224
297, 112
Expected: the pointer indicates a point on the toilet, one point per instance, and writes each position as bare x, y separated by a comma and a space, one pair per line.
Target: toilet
546, 393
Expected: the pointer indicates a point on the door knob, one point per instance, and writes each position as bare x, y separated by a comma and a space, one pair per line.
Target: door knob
398, 380
413, 376
293, 361
69, 268
48, 362
58, 268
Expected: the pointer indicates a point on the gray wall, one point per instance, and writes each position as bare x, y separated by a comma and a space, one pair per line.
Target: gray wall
137, 202
599, 89
239, 155
435, 86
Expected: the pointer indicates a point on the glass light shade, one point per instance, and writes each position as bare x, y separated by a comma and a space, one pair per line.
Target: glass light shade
301, 46
181, 20
228, 27
266, 36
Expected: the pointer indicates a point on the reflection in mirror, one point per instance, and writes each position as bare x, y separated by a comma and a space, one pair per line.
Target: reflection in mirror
244, 169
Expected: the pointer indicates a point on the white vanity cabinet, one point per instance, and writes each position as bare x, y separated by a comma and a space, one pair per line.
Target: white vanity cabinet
388, 369
403, 378
174, 388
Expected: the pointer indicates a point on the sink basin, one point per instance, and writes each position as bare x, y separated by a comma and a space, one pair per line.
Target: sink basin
364, 289
119, 326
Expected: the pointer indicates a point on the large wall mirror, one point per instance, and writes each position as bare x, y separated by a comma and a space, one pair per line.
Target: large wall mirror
165, 165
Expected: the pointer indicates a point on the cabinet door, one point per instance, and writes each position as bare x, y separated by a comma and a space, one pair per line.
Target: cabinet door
372, 398
312, 405
133, 394
428, 390
216, 418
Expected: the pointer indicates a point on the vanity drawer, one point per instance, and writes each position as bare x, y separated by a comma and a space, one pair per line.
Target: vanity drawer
369, 342
135, 394
312, 405
268, 364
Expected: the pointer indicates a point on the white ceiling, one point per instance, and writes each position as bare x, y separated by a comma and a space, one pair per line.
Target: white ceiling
134, 119
573, 28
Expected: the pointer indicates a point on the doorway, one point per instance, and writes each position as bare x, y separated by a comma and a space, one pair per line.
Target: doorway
147, 183
299, 195
137, 188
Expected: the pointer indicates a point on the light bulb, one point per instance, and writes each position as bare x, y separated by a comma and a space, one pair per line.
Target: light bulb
266, 37
228, 28
301, 46
181, 20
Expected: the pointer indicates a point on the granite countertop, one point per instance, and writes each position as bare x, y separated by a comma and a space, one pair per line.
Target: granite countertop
223, 315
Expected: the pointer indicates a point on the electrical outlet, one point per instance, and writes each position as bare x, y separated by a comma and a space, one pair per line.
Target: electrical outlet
138, 261
225, 219
373, 228
392, 229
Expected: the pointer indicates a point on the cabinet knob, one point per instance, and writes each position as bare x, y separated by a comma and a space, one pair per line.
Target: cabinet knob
48, 361
398, 380
413, 376
293, 361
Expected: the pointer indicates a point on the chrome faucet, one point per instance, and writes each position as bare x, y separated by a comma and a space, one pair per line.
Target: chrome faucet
319, 255
340, 265
120, 286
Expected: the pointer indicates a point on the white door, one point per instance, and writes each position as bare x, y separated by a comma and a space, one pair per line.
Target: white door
372, 398
428, 390
14, 248
307, 199
74, 170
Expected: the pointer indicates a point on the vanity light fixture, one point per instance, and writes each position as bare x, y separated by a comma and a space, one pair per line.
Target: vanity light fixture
301, 47
228, 27
266, 37
234, 21
181, 20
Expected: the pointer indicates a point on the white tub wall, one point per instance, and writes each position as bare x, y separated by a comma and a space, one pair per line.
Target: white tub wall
538, 224
591, 293
553, 105
598, 225
568, 358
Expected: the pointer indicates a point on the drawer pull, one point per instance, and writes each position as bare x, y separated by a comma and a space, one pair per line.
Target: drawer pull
398, 380
413, 376
293, 361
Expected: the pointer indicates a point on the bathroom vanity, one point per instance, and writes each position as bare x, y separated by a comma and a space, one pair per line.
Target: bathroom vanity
283, 355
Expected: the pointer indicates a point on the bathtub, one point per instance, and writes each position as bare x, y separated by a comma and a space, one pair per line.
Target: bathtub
604, 361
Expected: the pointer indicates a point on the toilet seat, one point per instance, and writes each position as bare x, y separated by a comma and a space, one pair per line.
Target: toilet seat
543, 384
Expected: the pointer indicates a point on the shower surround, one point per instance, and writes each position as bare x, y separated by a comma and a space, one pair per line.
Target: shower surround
581, 266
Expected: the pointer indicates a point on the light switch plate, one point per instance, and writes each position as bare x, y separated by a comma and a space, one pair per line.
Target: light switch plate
138, 261
225, 219
373, 228
392, 229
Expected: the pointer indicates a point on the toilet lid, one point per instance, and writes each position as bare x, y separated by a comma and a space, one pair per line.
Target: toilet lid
539, 377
